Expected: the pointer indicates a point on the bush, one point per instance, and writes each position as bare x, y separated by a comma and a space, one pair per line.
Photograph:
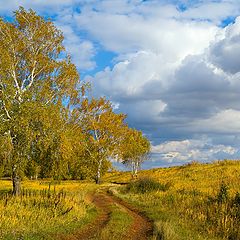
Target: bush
145, 185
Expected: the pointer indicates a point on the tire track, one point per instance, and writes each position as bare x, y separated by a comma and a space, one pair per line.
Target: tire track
140, 229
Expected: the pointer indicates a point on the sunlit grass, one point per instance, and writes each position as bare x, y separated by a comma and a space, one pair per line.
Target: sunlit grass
44, 209
200, 202
192, 205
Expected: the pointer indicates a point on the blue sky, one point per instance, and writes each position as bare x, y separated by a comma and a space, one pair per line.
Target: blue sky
172, 66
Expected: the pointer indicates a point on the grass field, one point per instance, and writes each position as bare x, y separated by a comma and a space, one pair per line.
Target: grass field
44, 208
191, 202
195, 201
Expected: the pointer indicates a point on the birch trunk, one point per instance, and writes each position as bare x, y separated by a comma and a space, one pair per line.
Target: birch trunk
98, 177
135, 166
16, 182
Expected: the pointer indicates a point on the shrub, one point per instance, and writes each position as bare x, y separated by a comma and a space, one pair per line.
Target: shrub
145, 185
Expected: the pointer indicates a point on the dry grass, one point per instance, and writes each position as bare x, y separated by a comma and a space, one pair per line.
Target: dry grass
43, 209
202, 201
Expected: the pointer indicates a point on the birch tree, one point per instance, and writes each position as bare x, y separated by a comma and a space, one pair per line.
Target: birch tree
135, 150
104, 131
32, 76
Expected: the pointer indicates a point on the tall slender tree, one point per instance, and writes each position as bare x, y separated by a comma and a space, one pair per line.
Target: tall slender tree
104, 131
32, 77
46, 127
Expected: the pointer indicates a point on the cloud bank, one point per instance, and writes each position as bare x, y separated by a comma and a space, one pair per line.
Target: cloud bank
177, 76
175, 70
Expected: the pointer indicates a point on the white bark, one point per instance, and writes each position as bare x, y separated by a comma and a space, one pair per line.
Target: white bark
99, 171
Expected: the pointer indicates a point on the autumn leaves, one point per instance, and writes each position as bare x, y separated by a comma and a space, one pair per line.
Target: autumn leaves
49, 127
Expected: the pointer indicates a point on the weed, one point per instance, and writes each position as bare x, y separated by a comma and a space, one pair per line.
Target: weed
223, 194
118, 225
206, 208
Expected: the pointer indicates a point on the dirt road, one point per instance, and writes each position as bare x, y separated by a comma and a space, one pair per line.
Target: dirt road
140, 229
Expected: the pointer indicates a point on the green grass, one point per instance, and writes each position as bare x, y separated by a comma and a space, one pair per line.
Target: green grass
146, 185
118, 225
192, 202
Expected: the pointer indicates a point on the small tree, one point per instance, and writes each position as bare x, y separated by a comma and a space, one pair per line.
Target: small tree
135, 150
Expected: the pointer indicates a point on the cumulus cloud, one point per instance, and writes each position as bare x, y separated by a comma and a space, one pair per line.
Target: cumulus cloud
176, 77
189, 150
128, 77
82, 51
135, 31
225, 53
176, 72
214, 11
225, 122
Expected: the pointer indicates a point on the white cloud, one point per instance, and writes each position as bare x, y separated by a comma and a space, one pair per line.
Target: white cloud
226, 122
82, 51
133, 32
128, 77
175, 82
225, 53
214, 11
189, 150
176, 73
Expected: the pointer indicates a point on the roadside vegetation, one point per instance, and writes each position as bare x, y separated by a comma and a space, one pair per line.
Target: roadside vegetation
195, 201
118, 225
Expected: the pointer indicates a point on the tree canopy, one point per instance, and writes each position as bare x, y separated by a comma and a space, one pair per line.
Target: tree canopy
135, 150
48, 126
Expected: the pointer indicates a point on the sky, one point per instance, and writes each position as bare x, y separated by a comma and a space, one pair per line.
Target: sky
172, 66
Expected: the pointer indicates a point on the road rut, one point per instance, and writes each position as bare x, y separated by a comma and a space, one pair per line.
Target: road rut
140, 229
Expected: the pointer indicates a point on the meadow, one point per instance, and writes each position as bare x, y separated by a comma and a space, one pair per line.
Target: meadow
44, 209
191, 202
195, 201
54, 210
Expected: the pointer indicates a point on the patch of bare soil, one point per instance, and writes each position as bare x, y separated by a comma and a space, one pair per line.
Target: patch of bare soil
140, 229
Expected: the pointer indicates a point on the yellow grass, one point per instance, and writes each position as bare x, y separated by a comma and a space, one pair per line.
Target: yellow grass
43, 210
193, 207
